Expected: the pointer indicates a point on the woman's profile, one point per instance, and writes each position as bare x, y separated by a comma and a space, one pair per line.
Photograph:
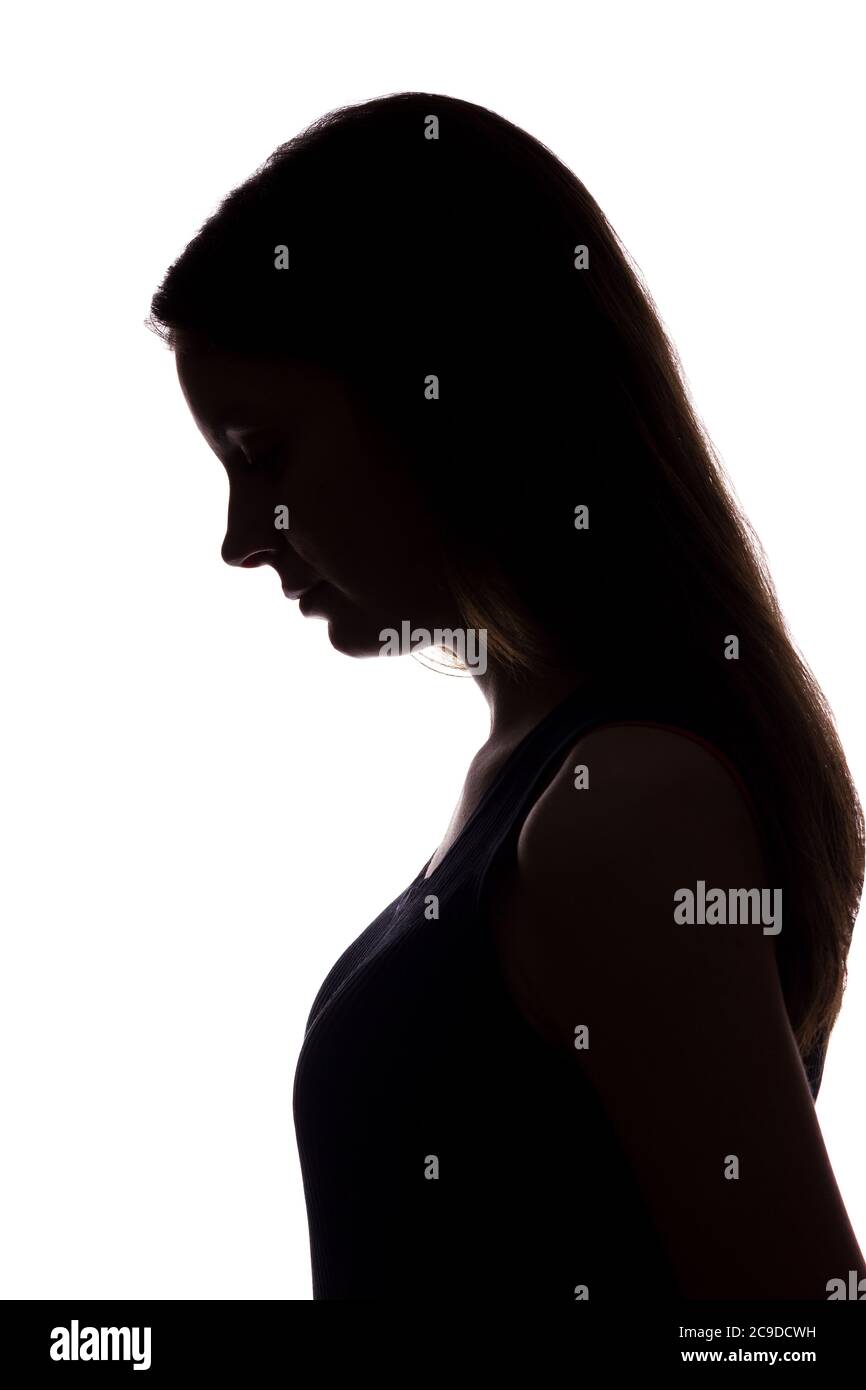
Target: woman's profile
578, 1055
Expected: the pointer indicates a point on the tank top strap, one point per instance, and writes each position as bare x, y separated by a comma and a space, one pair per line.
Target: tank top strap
525, 773
535, 761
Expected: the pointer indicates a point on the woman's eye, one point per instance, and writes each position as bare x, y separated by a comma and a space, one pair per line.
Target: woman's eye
263, 460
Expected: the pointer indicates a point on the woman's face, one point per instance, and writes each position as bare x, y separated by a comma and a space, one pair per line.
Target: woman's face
294, 444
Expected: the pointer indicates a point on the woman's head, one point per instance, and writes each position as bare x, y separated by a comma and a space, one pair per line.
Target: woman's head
478, 414
469, 295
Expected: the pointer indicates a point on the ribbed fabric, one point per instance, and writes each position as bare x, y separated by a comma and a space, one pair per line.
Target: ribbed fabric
416, 1055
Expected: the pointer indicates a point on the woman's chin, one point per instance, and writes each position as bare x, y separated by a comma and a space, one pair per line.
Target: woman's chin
350, 634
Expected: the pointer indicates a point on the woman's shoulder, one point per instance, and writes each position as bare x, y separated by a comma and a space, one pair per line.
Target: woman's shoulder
638, 822
635, 790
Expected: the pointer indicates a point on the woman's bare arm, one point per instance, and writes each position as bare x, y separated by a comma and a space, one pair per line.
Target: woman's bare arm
690, 1046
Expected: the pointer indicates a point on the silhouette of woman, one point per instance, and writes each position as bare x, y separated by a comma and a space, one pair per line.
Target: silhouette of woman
577, 1057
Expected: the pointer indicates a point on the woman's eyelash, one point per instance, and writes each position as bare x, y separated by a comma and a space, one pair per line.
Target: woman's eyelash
263, 460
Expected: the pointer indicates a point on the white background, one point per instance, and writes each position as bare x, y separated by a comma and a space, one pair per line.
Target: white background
203, 802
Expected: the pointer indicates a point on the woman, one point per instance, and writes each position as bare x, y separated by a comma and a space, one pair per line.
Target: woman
577, 1057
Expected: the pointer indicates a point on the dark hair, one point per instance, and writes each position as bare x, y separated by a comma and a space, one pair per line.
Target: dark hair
429, 236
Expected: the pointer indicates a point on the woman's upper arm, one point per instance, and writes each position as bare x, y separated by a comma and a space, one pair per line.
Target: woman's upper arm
687, 1041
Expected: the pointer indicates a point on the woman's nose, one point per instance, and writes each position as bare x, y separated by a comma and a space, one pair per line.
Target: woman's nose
249, 540
249, 555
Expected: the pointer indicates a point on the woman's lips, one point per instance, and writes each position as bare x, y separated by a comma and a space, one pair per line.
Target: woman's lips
309, 595
299, 593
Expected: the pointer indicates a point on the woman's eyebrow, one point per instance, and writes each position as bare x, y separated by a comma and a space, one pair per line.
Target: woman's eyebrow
232, 429
235, 434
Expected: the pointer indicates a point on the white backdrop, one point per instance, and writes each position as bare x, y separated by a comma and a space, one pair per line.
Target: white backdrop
203, 802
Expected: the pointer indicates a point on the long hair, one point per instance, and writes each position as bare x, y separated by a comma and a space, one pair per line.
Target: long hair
465, 285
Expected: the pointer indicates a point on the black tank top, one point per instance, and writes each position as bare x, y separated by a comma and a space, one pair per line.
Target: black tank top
447, 1149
